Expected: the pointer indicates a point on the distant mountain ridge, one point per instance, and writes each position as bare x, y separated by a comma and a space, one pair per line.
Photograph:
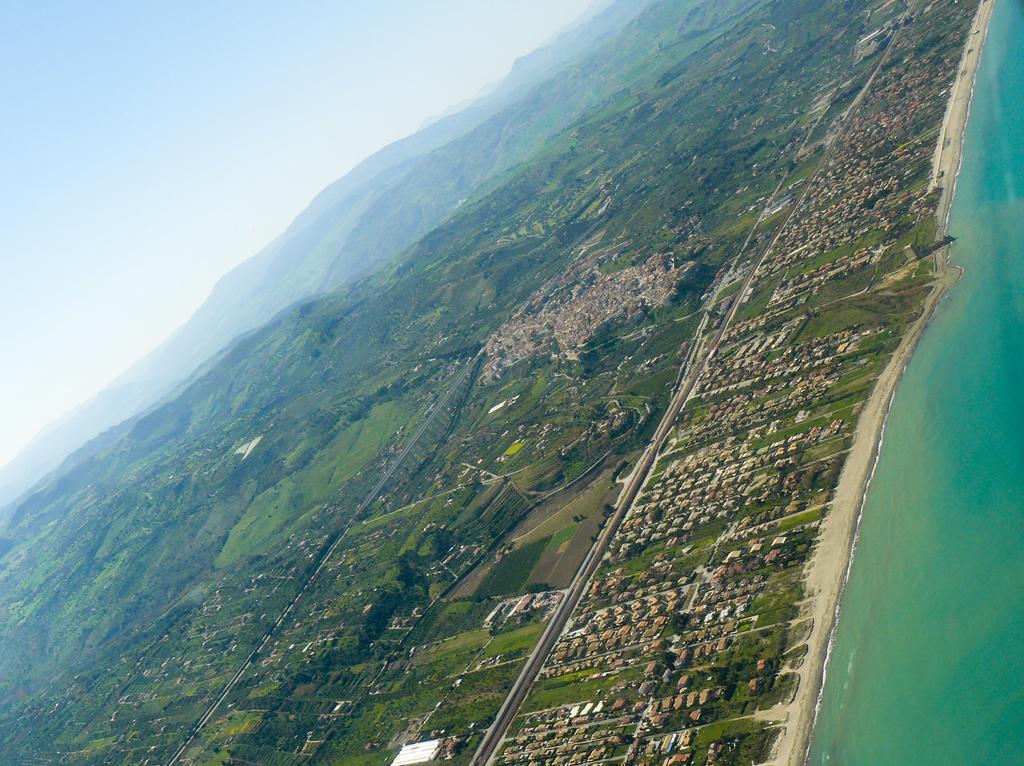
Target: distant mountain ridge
351, 228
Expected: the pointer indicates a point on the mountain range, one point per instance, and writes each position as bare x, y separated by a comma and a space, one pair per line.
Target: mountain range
356, 225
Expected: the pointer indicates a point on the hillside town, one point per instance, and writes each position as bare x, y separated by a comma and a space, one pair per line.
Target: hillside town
562, 317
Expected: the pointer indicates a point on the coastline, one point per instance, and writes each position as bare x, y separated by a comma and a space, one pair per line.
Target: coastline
833, 555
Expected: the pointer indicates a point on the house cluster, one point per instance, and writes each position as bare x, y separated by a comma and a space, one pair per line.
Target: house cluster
563, 316
713, 483
766, 404
612, 637
744, 369
576, 733
796, 289
523, 606
874, 178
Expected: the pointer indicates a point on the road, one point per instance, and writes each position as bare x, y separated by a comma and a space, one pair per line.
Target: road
690, 373
507, 712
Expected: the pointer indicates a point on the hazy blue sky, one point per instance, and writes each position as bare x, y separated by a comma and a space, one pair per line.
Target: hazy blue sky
148, 147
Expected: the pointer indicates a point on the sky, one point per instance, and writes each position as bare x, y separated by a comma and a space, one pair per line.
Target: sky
147, 148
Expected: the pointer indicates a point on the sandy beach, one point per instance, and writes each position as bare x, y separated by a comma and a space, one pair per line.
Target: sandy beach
948, 150
830, 562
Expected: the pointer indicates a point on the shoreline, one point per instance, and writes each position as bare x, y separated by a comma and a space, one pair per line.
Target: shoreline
832, 558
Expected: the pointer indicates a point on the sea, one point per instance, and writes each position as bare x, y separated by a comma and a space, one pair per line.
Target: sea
927, 667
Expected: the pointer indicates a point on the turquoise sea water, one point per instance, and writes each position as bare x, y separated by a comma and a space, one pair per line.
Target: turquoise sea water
928, 664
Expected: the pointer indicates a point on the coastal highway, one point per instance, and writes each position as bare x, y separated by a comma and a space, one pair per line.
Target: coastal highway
691, 374
486, 751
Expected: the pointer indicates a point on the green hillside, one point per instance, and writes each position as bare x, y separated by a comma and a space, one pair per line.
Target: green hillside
356, 224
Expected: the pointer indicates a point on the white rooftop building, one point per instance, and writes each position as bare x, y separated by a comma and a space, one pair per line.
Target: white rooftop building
418, 752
